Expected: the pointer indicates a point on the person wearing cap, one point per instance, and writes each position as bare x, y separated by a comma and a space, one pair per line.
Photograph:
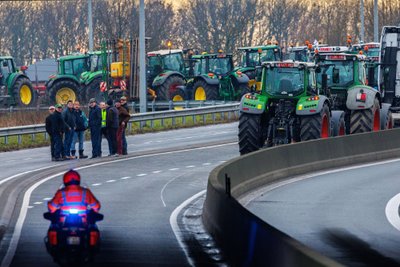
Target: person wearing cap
112, 124
95, 128
124, 104
70, 120
49, 131
57, 129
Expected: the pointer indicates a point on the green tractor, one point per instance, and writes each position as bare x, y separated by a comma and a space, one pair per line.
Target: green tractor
252, 57
90, 80
216, 79
166, 73
344, 77
65, 85
289, 108
15, 87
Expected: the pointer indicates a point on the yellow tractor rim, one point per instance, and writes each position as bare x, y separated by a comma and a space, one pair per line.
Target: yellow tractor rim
25, 94
65, 94
177, 98
200, 94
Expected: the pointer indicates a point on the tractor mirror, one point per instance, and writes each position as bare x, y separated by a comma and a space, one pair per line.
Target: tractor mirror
335, 76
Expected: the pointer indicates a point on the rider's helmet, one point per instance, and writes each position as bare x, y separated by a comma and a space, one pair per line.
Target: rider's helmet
71, 177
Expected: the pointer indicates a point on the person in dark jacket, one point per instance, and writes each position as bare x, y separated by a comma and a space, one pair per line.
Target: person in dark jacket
69, 118
123, 117
50, 131
79, 135
125, 105
112, 124
57, 130
95, 128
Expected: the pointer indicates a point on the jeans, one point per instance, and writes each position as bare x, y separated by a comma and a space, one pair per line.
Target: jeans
52, 146
78, 136
112, 140
68, 141
95, 136
58, 146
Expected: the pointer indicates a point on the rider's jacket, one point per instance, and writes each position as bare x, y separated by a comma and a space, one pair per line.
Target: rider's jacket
73, 197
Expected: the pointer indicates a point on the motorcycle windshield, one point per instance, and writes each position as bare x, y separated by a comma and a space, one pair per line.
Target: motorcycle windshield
284, 81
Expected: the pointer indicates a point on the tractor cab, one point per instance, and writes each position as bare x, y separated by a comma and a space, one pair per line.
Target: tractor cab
7, 67
371, 51
73, 65
218, 64
165, 60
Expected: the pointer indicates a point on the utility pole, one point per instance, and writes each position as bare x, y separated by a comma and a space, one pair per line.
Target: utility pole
376, 21
90, 22
362, 20
142, 60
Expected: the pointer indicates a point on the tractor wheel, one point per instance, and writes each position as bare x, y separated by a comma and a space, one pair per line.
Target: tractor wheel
386, 117
315, 126
62, 91
204, 91
338, 123
178, 95
251, 133
24, 94
166, 90
365, 120
92, 90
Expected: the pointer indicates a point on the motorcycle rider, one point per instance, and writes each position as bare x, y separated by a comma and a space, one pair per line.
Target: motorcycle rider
73, 196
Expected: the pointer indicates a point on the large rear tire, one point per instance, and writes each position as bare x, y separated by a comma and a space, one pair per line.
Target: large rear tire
365, 120
338, 123
24, 94
62, 91
315, 126
386, 117
92, 90
203, 91
168, 88
251, 133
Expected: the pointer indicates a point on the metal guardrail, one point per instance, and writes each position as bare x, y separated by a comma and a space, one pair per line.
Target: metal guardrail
140, 117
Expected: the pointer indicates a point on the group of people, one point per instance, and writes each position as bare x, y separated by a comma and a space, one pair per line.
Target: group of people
67, 126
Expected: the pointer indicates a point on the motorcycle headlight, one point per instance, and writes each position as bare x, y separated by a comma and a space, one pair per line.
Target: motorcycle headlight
73, 211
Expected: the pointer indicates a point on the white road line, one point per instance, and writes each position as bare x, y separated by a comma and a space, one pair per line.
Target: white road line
190, 166
24, 208
165, 186
29, 207
96, 184
392, 211
38, 203
206, 164
157, 171
173, 169
173, 221
126, 177
47, 198
141, 174
110, 181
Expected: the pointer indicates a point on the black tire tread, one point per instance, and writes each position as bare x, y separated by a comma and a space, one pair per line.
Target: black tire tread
362, 121
310, 126
250, 133
163, 92
210, 90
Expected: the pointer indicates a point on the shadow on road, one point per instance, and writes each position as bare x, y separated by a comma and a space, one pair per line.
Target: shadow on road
354, 251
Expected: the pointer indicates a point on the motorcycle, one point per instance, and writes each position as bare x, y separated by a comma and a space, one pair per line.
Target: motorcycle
73, 237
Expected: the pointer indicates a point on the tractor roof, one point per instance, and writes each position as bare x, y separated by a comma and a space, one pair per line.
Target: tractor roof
262, 47
333, 49
211, 56
5, 57
341, 56
163, 52
289, 64
73, 56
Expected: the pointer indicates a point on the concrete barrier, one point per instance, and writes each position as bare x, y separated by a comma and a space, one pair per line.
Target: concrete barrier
245, 239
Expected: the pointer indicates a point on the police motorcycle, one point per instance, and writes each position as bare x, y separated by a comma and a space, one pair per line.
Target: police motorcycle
73, 237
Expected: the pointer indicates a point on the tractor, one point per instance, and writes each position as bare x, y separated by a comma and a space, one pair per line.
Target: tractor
371, 51
166, 72
15, 87
65, 85
290, 107
343, 75
253, 57
216, 79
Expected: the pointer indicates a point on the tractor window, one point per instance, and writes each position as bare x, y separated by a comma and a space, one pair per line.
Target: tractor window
340, 73
361, 73
299, 55
95, 63
255, 59
6, 67
284, 81
79, 66
174, 62
200, 67
220, 65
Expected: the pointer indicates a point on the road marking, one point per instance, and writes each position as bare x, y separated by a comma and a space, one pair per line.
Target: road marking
157, 171
96, 184
141, 174
206, 164
173, 221
29, 207
126, 177
110, 181
173, 169
25, 203
47, 198
392, 211
190, 166
38, 203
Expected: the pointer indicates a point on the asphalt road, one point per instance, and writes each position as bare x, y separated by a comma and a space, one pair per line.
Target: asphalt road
350, 215
139, 195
